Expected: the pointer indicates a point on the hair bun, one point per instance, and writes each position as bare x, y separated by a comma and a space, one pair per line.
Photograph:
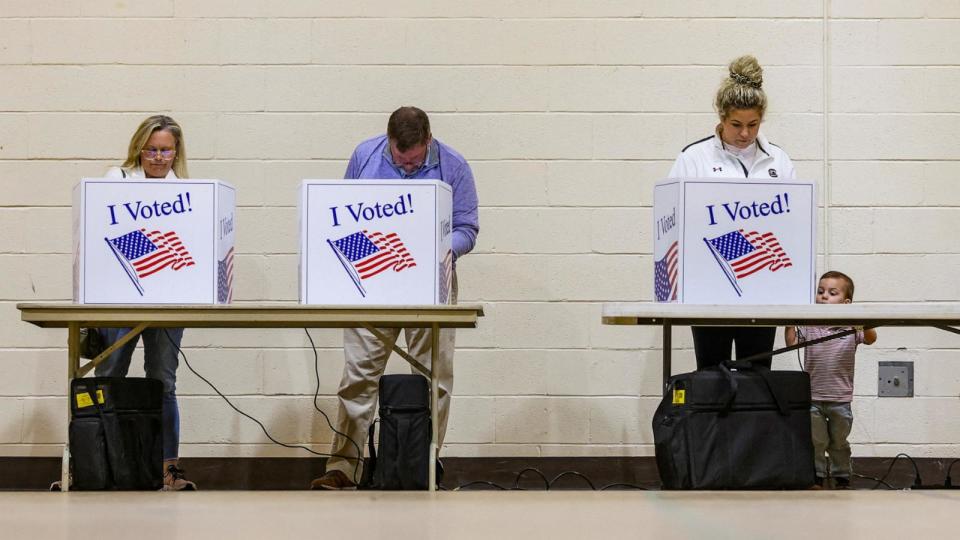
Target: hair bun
746, 70
742, 79
743, 89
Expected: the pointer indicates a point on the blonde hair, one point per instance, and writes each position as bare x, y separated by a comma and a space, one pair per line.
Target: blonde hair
742, 89
140, 137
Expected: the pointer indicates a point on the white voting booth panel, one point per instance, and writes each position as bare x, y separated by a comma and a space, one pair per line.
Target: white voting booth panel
375, 242
140, 241
723, 241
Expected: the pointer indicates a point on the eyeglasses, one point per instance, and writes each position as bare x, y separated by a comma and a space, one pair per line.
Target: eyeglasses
413, 158
152, 153
409, 164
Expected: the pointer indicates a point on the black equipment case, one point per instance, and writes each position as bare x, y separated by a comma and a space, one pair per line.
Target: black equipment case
116, 439
405, 434
735, 426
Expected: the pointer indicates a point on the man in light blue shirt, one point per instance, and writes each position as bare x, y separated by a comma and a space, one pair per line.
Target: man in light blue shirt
407, 151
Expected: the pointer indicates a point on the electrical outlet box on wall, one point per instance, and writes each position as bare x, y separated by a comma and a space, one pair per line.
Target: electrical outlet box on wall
895, 379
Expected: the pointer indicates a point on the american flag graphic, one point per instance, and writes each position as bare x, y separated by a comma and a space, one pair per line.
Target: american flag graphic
741, 254
445, 275
143, 253
225, 279
665, 275
365, 254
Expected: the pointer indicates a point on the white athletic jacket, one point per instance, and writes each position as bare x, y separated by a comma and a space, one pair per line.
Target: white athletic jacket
707, 158
136, 172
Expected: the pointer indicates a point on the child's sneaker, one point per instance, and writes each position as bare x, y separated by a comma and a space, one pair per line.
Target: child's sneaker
174, 480
842, 482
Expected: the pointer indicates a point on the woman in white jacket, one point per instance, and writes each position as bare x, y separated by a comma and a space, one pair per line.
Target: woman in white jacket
156, 150
736, 150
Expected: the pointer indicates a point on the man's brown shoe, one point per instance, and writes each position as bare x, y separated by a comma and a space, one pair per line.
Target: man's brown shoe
333, 480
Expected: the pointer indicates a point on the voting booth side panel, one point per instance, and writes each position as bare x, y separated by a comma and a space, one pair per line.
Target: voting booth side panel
75, 241
301, 241
666, 241
375, 242
747, 242
226, 241
444, 232
147, 241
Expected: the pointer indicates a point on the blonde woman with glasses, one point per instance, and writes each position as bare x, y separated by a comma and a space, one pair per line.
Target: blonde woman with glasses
156, 150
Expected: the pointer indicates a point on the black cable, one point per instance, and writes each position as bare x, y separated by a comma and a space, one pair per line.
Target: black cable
948, 482
629, 486
234, 407
882, 479
917, 482
571, 473
916, 470
763, 355
316, 396
800, 337
481, 482
546, 483
878, 480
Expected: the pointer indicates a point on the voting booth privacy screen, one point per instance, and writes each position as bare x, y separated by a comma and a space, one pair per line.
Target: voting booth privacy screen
720, 241
375, 242
140, 241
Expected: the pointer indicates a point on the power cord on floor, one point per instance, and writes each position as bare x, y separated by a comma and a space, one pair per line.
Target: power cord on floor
547, 484
623, 485
571, 473
259, 423
916, 479
948, 483
481, 482
879, 481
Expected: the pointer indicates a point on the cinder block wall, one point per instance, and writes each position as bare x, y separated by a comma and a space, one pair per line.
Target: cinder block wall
568, 112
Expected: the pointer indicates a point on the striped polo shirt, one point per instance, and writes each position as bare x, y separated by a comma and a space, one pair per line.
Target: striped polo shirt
830, 364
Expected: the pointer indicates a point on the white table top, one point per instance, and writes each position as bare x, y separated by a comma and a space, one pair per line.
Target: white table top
60, 315
856, 314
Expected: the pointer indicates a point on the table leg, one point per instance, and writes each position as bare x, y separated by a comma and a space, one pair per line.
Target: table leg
120, 342
73, 366
946, 328
667, 348
434, 409
403, 354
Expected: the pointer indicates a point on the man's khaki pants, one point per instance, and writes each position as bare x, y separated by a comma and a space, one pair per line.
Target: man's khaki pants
366, 358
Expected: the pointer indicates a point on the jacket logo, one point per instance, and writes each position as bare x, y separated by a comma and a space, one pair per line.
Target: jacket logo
773, 173
720, 169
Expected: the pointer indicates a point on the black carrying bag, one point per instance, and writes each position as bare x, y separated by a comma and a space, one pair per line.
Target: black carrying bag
116, 438
91, 343
405, 433
735, 426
